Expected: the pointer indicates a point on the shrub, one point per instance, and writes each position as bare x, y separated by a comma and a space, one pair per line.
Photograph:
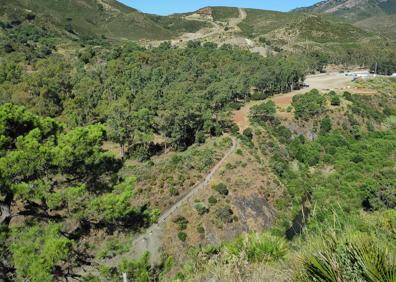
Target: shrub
325, 125
225, 214
182, 236
355, 258
8, 48
347, 96
201, 208
200, 229
212, 200
335, 100
308, 105
221, 188
258, 247
248, 132
136, 270
263, 112
357, 159
282, 133
181, 221
234, 129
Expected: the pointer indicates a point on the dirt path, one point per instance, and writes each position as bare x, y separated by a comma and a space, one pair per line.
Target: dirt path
150, 240
322, 82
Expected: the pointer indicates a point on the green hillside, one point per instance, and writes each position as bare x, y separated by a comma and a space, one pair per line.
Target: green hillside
148, 146
101, 18
300, 26
371, 15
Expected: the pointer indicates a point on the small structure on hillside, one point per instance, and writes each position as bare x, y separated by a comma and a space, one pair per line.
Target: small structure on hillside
205, 12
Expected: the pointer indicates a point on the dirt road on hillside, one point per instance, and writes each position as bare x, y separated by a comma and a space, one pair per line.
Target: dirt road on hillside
215, 31
150, 240
322, 82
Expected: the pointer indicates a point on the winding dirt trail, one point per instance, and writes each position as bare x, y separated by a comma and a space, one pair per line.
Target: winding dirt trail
150, 240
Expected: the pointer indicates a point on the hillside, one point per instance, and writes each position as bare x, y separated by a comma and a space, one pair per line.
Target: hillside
166, 149
372, 15
353, 9
107, 18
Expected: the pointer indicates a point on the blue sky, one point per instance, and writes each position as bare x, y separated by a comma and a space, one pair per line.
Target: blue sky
166, 7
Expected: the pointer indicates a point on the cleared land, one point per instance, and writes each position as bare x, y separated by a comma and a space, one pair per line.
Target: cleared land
322, 82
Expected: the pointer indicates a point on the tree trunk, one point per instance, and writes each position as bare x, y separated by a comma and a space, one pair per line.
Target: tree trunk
122, 151
5, 212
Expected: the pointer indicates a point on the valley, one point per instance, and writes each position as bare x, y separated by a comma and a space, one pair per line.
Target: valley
223, 144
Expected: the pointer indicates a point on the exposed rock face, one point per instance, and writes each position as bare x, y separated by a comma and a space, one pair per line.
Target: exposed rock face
205, 12
332, 6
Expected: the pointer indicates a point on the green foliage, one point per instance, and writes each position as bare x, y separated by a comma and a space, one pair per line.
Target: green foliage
212, 200
182, 236
351, 259
36, 250
264, 112
258, 247
182, 222
325, 125
10, 72
114, 206
335, 100
201, 208
308, 105
55, 174
137, 270
386, 65
248, 133
224, 13
381, 193
221, 188
112, 248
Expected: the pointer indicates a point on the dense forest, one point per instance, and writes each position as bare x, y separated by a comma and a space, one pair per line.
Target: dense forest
98, 137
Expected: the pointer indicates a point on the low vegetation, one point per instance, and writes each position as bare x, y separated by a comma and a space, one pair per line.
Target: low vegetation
99, 135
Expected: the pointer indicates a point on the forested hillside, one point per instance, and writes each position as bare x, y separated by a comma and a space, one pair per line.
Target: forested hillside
98, 18
194, 160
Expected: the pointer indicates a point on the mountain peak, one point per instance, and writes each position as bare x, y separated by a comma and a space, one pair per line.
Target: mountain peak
354, 9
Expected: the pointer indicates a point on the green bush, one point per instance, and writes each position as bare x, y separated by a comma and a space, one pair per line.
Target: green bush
335, 100
182, 236
212, 200
181, 221
37, 250
258, 247
248, 133
325, 125
136, 270
221, 188
308, 105
264, 112
201, 208
355, 258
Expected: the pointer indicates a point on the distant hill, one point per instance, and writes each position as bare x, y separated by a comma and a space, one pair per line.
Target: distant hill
353, 9
107, 18
257, 30
300, 26
372, 15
